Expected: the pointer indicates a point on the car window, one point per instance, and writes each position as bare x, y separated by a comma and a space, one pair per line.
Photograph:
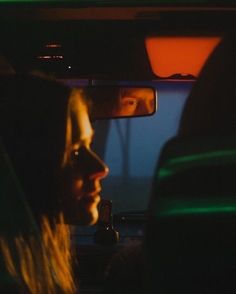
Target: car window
131, 147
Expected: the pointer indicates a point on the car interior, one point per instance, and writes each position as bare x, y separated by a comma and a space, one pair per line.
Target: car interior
161, 191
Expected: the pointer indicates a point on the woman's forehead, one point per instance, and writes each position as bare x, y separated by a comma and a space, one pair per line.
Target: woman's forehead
79, 110
139, 93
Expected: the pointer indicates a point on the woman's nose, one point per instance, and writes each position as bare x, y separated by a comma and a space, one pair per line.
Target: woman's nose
90, 164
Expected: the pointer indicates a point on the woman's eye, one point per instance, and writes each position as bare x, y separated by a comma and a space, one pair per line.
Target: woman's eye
74, 155
128, 102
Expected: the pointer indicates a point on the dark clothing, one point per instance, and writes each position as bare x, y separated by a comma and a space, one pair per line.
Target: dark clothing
33, 113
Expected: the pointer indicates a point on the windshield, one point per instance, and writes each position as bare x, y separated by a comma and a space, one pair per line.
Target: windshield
131, 147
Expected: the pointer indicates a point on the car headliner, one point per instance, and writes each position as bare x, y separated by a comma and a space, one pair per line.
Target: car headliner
101, 39
107, 3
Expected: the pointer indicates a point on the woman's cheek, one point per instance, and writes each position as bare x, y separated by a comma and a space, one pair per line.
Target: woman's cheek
77, 188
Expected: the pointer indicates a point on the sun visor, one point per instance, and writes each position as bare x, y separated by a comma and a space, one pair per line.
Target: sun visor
179, 56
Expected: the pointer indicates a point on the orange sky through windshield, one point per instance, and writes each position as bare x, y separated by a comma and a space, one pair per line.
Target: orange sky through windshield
179, 55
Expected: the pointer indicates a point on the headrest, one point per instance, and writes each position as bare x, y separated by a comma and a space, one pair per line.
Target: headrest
196, 176
190, 237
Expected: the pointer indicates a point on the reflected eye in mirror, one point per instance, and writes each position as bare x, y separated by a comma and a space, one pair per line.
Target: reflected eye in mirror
127, 106
121, 101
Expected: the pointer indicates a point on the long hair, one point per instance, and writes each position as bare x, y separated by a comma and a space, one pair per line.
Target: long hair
33, 118
41, 265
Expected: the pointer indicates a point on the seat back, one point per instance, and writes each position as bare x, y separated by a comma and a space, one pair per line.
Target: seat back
191, 231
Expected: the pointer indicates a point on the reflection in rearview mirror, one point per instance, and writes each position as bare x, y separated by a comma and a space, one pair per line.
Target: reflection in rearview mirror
119, 101
135, 101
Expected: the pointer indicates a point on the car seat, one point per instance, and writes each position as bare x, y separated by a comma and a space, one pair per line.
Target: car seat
190, 239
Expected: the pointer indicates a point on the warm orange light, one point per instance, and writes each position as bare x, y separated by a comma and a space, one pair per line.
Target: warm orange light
179, 55
53, 45
50, 57
44, 57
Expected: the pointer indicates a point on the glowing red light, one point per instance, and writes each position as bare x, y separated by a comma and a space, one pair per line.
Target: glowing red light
179, 55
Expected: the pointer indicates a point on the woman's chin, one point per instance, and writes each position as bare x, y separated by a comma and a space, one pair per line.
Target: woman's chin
88, 210
82, 212
87, 213
88, 217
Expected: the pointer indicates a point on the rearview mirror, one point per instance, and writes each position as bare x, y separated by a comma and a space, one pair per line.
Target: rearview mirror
121, 101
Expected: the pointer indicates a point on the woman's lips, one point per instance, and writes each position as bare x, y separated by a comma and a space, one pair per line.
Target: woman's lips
93, 193
93, 196
86, 190
92, 199
89, 196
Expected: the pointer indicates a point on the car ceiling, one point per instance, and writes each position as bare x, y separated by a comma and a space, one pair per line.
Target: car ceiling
106, 44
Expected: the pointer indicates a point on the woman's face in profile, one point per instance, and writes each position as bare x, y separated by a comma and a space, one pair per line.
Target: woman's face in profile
47, 137
82, 169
